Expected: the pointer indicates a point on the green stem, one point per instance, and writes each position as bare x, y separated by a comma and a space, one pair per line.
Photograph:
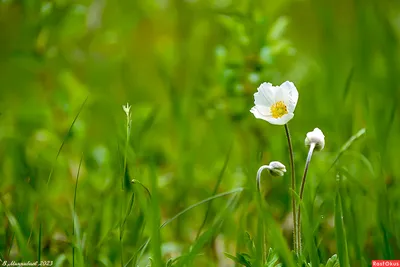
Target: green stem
260, 198
123, 195
293, 187
303, 182
259, 177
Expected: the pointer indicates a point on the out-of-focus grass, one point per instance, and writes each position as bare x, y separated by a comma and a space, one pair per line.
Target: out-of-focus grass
189, 69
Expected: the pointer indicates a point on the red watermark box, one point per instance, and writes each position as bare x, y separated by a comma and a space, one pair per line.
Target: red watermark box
384, 263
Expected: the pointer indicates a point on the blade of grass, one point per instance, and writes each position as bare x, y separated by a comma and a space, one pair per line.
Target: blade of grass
74, 209
134, 181
155, 220
341, 241
39, 252
187, 259
383, 220
353, 224
77, 242
127, 110
21, 241
237, 190
346, 146
11, 244
309, 235
260, 243
59, 262
144, 245
64, 140
128, 211
146, 126
219, 179
274, 232
348, 83
53, 165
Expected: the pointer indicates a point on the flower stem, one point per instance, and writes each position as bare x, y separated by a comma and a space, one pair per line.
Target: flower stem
293, 187
259, 177
303, 181
261, 222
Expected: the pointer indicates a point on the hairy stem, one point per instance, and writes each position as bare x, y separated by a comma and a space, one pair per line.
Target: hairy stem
293, 187
260, 198
259, 177
303, 182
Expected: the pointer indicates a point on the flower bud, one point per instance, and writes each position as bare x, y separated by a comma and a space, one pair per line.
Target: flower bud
316, 137
276, 168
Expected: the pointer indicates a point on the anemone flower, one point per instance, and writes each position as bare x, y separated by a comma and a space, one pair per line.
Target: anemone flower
275, 104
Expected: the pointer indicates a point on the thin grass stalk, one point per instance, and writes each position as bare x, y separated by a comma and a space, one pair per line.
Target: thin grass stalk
51, 174
144, 245
74, 209
121, 226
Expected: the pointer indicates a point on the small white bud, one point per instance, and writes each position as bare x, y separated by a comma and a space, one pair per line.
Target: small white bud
316, 137
276, 168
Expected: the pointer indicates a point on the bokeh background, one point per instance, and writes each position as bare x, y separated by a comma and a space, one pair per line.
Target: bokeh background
189, 69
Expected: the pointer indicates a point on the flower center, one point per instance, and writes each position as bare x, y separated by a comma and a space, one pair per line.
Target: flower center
278, 109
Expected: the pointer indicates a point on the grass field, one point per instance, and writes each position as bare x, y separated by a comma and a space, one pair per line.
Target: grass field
172, 181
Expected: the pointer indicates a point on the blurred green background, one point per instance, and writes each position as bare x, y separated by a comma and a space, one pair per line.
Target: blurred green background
190, 69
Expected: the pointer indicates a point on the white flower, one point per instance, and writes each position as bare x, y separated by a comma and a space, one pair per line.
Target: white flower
275, 104
316, 137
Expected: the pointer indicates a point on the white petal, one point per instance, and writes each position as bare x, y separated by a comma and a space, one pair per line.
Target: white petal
280, 121
290, 95
265, 95
279, 95
266, 111
260, 112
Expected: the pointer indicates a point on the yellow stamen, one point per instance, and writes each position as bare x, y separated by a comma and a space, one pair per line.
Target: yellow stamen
278, 109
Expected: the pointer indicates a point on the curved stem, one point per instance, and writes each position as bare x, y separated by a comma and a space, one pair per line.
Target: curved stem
260, 170
303, 182
261, 222
293, 187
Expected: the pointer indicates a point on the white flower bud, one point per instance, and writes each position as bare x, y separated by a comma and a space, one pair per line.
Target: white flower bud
276, 168
316, 137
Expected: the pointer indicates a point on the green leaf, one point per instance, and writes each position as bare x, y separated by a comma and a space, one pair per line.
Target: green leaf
333, 261
341, 241
272, 259
241, 258
249, 243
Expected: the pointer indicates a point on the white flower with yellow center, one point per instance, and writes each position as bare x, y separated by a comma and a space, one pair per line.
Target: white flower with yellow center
275, 104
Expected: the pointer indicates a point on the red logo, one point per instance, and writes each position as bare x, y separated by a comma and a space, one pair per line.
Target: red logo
385, 263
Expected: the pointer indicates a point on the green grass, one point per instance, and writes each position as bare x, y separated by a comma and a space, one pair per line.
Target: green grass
178, 186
